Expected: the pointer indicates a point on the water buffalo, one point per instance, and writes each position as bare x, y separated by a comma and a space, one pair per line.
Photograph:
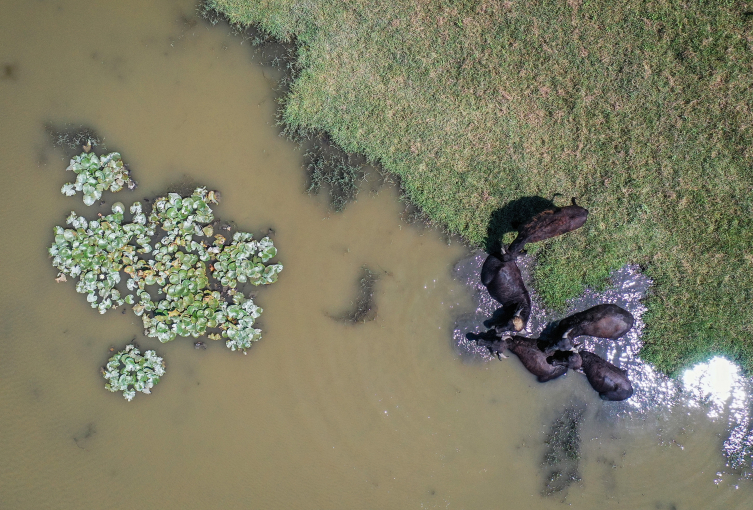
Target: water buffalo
533, 358
611, 382
546, 224
505, 284
601, 321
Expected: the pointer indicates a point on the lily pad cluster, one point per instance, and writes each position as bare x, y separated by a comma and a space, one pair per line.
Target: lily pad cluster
184, 283
97, 174
128, 371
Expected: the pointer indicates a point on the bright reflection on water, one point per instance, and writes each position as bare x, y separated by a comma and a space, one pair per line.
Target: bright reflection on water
719, 387
712, 383
716, 387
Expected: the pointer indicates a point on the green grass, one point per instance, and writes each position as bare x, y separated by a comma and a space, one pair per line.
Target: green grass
641, 109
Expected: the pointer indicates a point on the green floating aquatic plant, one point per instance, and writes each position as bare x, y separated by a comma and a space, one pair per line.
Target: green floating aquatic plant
181, 284
128, 371
97, 174
243, 261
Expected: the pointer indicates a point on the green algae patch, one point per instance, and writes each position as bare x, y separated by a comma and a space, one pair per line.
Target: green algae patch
641, 110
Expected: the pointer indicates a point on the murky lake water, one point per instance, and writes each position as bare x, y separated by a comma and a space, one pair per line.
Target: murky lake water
321, 414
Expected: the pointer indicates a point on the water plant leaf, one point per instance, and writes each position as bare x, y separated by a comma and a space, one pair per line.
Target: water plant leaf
128, 371
95, 175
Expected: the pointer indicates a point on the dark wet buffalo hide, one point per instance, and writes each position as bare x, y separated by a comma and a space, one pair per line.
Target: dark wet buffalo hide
547, 224
533, 359
610, 382
601, 321
505, 284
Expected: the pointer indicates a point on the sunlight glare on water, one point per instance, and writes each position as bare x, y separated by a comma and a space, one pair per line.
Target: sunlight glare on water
711, 382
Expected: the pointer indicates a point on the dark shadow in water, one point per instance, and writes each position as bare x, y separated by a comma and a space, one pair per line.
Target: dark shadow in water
364, 308
560, 463
9, 72
81, 438
509, 217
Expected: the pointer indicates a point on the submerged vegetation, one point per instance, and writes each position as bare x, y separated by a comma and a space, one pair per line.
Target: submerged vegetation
182, 278
562, 452
334, 172
128, 371
640, 109
364, 308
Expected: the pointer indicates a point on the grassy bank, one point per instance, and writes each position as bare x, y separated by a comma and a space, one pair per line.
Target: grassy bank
642, 109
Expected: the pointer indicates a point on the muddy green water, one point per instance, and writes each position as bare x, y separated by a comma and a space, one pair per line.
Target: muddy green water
320, 414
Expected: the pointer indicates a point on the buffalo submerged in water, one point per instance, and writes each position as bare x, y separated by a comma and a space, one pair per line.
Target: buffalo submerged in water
609, 381
532, 358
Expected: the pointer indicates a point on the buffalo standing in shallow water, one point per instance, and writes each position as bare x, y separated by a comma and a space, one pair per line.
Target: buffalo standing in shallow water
546, 224
505, 284
601, 321
611, 382
545, 369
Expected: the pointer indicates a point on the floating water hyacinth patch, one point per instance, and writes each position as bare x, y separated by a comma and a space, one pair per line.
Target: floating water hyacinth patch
96, 174
128, 371
244, 261
184, 283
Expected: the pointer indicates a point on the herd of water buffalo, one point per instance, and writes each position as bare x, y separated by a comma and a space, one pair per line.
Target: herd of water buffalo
553, 353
